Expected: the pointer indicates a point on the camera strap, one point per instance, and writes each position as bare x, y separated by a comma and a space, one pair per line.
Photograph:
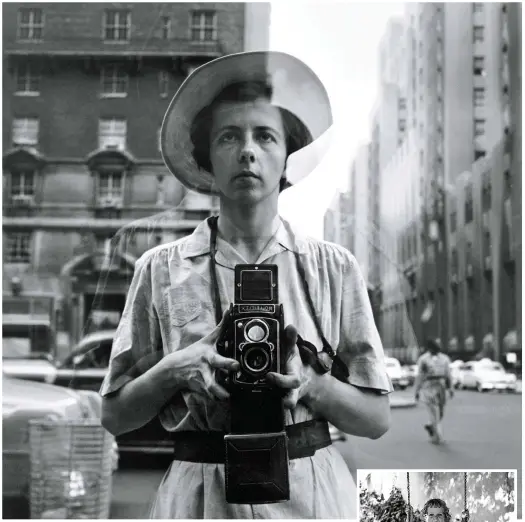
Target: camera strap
308, 351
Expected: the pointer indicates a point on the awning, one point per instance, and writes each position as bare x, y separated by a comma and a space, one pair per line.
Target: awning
427, 312
510, 341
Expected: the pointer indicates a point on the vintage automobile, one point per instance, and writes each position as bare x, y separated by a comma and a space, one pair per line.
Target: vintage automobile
455, 372
84, 368
22, 402
486, 375
397, 376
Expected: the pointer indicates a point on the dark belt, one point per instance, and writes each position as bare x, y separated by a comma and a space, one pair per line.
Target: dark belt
304, 439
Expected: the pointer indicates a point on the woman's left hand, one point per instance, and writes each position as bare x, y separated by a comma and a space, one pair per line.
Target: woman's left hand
297, 375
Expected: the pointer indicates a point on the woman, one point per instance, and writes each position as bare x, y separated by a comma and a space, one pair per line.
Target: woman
235, 128
433, 381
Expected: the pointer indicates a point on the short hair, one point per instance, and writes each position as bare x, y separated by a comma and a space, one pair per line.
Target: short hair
433, 345
437, 503
297, 134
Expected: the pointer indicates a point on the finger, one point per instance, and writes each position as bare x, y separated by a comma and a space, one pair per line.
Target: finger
217, 391
220, 329
218, 361
284, 381
291, 399
290, 335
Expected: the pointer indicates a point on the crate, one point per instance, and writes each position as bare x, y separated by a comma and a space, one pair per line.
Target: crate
71, 469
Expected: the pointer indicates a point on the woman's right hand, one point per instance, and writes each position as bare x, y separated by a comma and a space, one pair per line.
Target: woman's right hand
194, 367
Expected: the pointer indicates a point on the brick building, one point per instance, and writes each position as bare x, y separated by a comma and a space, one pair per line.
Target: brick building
85, 89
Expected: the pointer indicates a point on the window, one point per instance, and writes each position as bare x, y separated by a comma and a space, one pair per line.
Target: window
469, 210
25, 132
479, 154
166, 27
114, 81
477, 7
19, 248
487, 195
110, 186
479, 127
27, 81
30, 24
479, 96
203, 25
402, 125
164, 83
402, 104
112, 133
478, 33
479, 66
117, 25
22, 184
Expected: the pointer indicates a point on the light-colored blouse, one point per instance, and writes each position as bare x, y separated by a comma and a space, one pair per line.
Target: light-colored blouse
170, 306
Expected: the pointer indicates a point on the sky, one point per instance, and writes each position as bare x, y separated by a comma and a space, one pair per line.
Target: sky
340, 42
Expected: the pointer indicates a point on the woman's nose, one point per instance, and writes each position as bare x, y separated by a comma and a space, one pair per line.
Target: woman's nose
247, 152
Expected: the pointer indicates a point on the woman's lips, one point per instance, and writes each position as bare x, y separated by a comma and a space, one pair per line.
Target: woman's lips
246, 174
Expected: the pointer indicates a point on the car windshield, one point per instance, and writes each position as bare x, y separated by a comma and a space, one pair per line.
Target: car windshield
26, 342
491, 367
391, 364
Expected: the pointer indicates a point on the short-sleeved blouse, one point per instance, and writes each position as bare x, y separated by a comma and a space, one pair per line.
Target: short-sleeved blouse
170, 306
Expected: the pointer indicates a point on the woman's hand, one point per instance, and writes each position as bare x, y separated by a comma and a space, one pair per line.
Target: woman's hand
297, 375
194, 367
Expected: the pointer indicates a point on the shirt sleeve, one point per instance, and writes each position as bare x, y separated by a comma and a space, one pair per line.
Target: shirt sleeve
137, 344
360, 346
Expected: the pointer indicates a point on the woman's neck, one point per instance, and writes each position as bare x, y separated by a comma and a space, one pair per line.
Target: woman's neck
248, 227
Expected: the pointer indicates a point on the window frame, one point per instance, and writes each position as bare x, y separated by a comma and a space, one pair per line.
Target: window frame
201, 26
28, 248
30, 76
478, 34
26, 119
479, 122
479, 101
166, 28
116, 26
164, 83
22, 173
476, 61
115, 70
31, 25
114, 122
115, 188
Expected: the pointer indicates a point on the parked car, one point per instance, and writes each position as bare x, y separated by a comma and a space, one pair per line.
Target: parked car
455, 372
410, 372
396, 374
486, 375
23, 401
84, 368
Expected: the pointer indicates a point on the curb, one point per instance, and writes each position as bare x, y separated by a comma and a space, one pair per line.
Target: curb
403, 403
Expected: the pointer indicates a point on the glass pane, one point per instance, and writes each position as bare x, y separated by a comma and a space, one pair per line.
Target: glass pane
37, 16
110, 17
24, 16
37, 33
24, 33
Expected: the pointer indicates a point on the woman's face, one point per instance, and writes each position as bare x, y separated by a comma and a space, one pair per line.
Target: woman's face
247, 149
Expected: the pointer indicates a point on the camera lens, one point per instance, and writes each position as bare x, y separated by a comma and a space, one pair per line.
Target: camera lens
256, 359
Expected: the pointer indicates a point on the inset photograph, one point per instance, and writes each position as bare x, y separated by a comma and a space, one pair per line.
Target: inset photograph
437, 496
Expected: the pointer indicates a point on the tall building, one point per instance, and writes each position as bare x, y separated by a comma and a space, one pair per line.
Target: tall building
85, 89
463, 81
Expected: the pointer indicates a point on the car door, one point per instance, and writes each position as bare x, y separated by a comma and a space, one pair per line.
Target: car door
86, 370
469, 378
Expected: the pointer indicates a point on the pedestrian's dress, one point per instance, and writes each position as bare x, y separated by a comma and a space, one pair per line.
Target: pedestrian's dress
434, 370
169, 307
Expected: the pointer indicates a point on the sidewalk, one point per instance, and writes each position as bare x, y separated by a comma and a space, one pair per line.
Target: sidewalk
402, 398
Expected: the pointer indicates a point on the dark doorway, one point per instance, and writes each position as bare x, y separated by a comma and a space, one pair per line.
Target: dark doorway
103, 311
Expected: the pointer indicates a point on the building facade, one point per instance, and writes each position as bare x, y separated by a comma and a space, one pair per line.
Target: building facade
85, 90
463, 82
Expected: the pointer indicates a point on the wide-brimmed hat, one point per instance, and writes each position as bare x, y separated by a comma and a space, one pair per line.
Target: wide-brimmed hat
295, 88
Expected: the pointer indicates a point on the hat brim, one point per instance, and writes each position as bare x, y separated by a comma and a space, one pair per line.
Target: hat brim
295, 88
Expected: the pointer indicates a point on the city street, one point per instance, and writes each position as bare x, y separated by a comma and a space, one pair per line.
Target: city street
483, 431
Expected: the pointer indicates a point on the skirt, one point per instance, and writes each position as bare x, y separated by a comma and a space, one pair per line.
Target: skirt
321, 486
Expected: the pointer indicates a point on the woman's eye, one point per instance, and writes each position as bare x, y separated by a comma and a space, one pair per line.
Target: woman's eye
266, 137
227, 137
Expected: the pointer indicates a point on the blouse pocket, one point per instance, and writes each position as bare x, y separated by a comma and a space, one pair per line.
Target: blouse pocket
183, 304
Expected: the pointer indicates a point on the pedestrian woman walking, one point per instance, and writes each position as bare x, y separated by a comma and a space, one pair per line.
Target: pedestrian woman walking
432, 382
236, 128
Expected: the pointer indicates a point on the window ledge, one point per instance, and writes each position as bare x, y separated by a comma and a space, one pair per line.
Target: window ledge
113, 95
118, 42
28, 93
